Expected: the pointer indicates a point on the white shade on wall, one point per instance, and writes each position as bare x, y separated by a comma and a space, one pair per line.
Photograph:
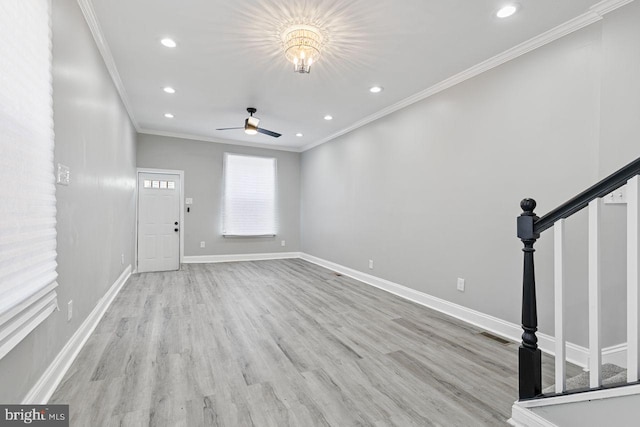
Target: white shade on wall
249, 206
27, 186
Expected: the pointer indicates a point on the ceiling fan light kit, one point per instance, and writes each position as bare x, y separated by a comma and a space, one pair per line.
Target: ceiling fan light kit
251, 123
250, 129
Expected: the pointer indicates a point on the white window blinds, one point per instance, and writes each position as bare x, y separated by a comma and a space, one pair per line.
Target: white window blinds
249, 206
27, 187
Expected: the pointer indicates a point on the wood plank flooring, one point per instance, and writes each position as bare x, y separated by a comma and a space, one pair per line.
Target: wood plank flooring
282, 343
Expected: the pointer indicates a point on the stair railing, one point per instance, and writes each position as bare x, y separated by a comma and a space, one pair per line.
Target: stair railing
530, 227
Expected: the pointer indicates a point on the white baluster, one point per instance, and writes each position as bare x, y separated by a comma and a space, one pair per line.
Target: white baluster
558, 254
633, 278
595, 346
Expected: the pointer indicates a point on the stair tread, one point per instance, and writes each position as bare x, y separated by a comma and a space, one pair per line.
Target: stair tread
620, 377
610, 374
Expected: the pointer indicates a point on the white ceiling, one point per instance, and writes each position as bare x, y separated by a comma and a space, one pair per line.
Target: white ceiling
229, 58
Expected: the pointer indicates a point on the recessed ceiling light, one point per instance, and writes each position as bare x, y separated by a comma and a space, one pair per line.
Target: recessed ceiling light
168, 42
328, 117
169, 89
298, 134
507, 11
375, 89
168, 115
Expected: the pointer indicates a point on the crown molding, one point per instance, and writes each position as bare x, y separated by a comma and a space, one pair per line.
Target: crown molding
201, 138
92, 21
607, 6
594, 14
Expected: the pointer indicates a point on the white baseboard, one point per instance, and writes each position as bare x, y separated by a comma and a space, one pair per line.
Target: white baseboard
495, 325
49, 381
522, 417
616, 354
575, 354
606, 393
239, 257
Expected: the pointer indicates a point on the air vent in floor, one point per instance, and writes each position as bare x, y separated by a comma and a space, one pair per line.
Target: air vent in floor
495, 338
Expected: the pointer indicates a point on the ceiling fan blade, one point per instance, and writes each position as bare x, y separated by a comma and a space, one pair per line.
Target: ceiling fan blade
268, 132
229, 128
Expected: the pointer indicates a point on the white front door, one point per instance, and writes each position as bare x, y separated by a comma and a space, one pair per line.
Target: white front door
158, 222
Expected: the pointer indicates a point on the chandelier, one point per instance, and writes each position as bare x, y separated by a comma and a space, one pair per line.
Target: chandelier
302, 45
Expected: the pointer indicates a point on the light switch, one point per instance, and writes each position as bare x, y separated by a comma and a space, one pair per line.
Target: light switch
64, 175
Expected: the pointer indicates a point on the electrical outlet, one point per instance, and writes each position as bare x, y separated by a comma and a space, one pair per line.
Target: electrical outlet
283, 243
460, 284
202, 244
371, 264
122, 259
69, 310
618, 197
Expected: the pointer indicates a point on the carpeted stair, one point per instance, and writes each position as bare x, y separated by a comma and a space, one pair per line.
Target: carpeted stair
611, 374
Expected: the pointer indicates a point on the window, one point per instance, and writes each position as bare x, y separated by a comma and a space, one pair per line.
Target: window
167, 185
27, 194
249, 207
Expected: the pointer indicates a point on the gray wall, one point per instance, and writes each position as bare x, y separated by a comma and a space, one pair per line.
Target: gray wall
202, 165
619, 141
431, 192
96, 213
620, 123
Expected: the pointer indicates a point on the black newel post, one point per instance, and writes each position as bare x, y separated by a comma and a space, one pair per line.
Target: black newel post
530, 363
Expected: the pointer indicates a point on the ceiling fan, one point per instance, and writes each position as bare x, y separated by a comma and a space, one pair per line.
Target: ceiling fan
251, 125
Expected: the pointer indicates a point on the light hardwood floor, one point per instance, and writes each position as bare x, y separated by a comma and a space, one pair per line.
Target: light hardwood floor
278, 343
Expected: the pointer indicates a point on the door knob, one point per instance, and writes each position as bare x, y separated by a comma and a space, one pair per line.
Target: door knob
175, 223
175, 229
